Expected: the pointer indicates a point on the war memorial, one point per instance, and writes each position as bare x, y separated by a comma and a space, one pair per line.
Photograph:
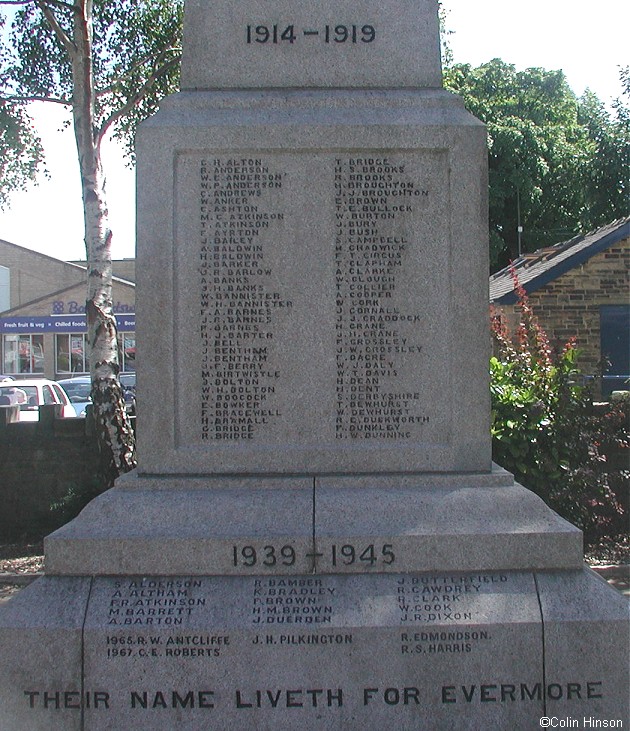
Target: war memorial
315, 537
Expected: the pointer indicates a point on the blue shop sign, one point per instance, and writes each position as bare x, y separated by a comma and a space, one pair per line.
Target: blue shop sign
58, 324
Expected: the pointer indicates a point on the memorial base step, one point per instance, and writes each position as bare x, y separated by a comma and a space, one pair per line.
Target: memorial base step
407, 651
230, 526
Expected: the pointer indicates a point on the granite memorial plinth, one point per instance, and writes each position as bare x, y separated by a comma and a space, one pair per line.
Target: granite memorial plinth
315, 536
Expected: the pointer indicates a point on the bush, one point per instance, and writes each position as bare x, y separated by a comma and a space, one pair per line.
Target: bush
546, 431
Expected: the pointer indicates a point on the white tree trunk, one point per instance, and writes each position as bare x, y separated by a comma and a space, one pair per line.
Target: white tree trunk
113, 426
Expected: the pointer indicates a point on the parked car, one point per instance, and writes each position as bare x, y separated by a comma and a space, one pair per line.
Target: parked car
128, 381
128, 384
78, 390
29, 394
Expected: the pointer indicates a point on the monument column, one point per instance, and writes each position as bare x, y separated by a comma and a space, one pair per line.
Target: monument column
302, 256
315, 536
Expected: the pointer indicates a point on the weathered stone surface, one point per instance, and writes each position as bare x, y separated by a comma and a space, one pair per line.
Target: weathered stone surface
440, 522
283, 653
158, 525
447, 650
586, 624
40, 656
331, 43
184, 527
312, 314
313, 422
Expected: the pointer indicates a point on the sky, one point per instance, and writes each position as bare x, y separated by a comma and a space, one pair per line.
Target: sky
587, 40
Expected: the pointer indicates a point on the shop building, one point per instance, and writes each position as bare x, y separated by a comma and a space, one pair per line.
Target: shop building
42, 315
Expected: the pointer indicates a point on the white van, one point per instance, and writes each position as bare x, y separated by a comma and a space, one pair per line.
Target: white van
30, 394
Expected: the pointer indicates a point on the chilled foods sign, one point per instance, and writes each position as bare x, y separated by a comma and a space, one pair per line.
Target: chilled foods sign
59, 324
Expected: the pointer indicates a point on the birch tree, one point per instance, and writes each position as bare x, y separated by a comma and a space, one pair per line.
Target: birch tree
109, 62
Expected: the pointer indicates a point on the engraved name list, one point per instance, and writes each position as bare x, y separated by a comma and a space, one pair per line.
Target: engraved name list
372, 260
238, 302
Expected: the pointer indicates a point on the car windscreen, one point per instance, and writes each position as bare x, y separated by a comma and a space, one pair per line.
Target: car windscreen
77, 391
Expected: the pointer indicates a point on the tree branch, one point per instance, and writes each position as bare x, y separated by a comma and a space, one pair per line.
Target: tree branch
63, 37
157, 58
134, 98
83, 82
56, 3
28, 99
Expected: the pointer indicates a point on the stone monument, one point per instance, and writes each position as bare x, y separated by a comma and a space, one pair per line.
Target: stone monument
315, 537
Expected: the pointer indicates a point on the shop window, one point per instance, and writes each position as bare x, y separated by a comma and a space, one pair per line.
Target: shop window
71, 354
615, 347
22, 354
127, 351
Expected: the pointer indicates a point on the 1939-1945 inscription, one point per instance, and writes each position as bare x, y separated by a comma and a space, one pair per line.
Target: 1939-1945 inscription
268, 556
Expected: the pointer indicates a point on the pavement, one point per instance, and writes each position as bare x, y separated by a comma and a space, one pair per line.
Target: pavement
10, 584
617, 576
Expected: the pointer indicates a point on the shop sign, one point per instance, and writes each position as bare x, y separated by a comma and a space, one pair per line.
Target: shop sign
72, 307
59, 324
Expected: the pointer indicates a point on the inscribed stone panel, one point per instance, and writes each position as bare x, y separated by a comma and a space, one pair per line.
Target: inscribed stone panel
331, 43
313, 290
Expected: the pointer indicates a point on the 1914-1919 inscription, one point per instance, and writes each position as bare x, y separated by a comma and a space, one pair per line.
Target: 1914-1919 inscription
331, 43
335, 33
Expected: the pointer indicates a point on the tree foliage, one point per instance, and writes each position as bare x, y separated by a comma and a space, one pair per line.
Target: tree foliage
109, 62
607, 185
445, 47
21, 154
134, 52
557, 164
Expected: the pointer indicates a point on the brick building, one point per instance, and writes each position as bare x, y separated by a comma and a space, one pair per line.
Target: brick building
42, 314
579, 288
